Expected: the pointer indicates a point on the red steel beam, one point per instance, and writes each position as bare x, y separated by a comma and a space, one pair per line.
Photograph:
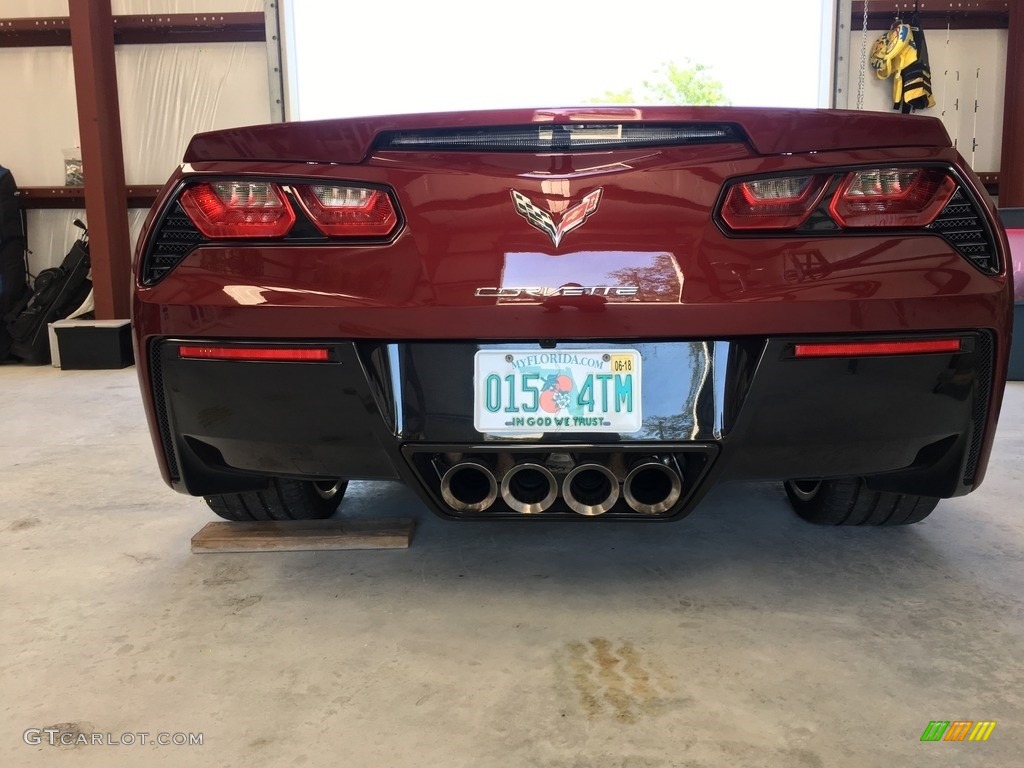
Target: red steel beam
935, 14
139, 196
22, 33
142, 28
99, 126
1011, 162
245, 27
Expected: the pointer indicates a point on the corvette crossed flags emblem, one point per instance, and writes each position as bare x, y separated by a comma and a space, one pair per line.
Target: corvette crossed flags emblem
542, 220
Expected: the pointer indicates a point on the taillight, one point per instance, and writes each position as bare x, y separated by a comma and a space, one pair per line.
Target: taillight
778, 203
891, 197
236, 209
346, 211
870, 197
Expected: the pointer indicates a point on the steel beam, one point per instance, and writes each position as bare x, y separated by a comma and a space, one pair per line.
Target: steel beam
99, 126
935, 14
139, 196
1011, 164
141, 29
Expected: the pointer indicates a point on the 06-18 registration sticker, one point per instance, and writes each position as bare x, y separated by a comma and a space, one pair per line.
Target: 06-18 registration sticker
577, 390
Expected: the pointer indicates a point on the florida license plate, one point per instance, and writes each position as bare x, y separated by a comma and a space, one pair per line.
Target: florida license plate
577, 390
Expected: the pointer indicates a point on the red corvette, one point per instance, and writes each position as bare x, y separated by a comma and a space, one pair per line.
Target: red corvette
572, 313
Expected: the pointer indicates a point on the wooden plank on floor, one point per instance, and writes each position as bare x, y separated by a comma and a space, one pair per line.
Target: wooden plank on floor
304, 535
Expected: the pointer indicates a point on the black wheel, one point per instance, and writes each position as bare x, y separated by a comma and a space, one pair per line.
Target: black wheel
849, 502
283, 500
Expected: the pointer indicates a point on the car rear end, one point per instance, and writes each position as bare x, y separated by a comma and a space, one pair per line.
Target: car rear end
574, 313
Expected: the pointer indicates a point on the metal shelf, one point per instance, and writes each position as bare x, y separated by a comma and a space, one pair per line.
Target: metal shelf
139, 196
935, 14
144, 28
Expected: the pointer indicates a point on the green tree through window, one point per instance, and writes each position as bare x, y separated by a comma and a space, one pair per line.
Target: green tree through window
672, 83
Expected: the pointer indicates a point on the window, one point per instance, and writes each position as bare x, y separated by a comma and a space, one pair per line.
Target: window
347, 59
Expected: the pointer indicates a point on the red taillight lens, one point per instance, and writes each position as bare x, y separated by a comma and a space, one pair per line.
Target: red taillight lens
233, 209
780, 203
254, 354
875, 348
891, 197
345, 211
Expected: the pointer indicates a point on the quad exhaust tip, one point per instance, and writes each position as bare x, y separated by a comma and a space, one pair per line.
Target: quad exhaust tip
651, 487
529, 488
469, 486
590, 489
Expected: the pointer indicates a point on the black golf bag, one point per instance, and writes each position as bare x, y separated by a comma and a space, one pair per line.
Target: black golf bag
56, 293
13, 284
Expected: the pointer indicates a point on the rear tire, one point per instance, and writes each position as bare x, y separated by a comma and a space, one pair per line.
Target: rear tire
284, 500
848, 501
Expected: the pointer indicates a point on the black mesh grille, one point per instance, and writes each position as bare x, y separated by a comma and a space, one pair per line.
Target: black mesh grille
983, 353
174, 240
160, 405
964, 228
558, 137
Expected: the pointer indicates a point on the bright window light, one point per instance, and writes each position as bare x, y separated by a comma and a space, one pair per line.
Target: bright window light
347, 59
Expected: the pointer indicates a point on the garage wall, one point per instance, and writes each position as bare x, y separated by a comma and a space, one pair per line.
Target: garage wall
167, 93
970, 52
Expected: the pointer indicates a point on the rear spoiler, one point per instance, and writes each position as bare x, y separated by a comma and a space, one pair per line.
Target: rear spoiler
767, 131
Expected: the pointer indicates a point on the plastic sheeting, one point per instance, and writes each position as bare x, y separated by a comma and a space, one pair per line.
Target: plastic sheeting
51, 233
41, 117
17, 9
167, 93
184, 6
170, 92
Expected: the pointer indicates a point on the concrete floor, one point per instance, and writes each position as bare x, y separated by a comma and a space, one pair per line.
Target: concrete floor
738, 637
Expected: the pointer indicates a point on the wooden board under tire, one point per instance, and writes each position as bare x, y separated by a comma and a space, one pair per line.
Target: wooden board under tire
304, 535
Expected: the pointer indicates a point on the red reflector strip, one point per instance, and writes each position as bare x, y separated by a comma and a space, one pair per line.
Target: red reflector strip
254, 354
869, 348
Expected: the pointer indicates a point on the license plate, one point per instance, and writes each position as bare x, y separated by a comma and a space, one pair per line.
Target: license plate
578, 390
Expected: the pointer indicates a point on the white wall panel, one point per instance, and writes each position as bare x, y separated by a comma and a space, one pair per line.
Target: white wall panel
170, 92
167, 93
968, 51
20, 9
120, 7
50, 234
40, 117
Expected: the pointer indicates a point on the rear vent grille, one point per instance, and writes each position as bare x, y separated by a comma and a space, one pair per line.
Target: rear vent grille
984, 384
963, 227
552, 137
160, 406
174, 240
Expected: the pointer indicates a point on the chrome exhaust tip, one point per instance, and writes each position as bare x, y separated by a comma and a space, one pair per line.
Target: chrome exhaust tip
590, 489
529, 488
469, 486
651, 487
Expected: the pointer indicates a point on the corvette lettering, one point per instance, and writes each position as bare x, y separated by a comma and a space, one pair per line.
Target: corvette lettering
618, 291
542, 220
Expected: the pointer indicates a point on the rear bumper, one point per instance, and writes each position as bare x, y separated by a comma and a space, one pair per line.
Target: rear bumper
740, 408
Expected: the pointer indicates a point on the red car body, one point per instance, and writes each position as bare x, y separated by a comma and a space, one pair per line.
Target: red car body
664, 263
